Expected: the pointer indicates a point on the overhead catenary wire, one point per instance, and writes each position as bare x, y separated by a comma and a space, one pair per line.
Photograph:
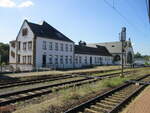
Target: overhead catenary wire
148, 8
140, 18
119, 13
122, 16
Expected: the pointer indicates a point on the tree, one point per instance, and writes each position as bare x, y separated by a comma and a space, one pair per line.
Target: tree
129, 58
4, 52
138, 55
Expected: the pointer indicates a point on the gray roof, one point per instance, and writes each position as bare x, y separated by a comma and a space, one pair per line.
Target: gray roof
100, 50
113, 47
47, 31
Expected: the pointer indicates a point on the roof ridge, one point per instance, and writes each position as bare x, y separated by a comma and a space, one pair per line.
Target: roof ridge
47, 31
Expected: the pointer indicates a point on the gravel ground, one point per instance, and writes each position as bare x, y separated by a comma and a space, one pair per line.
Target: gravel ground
98, 68
141, 104
23, 87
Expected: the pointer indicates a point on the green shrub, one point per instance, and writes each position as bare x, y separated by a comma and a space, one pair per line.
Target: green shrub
113, 82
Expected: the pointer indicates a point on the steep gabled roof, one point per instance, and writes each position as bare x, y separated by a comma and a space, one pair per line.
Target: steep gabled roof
113, 47
47, 31
99, 50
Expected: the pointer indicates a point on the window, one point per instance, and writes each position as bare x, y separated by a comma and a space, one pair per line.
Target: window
100, 60
56, 46
18, 58
44, 45
95, 60
19, 45
29, 59
30, 45
50, 46
56, 59
12, 54
80, 59
61, 47
61, 59
13, 44
76, 59
66, 59
24, 32
66, 47
24, 59
50, 59
85, 59
71, 48
24, 45
70, 59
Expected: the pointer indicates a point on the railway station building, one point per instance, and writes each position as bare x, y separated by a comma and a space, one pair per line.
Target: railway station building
115, 48
43, 46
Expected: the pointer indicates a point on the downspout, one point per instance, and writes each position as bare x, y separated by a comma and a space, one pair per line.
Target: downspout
73, 55
16, 53
34, 52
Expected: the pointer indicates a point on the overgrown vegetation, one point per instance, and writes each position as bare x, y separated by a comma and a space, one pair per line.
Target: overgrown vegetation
76, 95
4, 53
139, 55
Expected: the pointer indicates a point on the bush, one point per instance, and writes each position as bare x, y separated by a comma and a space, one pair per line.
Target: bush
113, 82
147, 64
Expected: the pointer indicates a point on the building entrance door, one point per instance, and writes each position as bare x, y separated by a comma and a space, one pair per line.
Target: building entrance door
44, 61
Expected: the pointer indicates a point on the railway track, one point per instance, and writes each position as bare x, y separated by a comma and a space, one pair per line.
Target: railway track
50, 78
12, 97
112, 101
28, 82
46, 79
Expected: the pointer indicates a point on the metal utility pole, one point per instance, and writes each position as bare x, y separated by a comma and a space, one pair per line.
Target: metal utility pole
1, 62
148, 9
122, 39
122, 61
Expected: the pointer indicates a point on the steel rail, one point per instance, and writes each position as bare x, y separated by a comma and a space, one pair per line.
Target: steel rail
11, 97
87, 105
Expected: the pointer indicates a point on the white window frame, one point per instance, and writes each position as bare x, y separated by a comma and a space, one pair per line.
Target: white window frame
50, 45
61, 60
62, 47
66, 59
56, 46
66, 47
50, 59
44, 45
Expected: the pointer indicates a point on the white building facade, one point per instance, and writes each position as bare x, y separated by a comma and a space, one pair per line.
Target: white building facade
115, 48
89, 56
41, 45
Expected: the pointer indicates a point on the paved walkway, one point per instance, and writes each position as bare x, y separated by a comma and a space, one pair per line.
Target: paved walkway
141, 104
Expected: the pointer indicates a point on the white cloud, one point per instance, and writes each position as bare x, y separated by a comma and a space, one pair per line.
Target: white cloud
7, 3
25, 4
12, 4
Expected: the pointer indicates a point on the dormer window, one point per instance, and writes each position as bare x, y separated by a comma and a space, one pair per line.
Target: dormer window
24, 32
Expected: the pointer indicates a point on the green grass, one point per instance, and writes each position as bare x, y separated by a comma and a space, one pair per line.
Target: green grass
67, 97
113, 82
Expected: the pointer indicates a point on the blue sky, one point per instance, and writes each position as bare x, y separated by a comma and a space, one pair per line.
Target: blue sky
88, 20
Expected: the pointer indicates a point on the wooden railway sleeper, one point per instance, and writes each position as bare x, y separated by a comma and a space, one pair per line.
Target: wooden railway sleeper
99, 109
107, 106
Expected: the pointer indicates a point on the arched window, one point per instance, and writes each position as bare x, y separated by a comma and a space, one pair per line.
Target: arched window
116, 58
